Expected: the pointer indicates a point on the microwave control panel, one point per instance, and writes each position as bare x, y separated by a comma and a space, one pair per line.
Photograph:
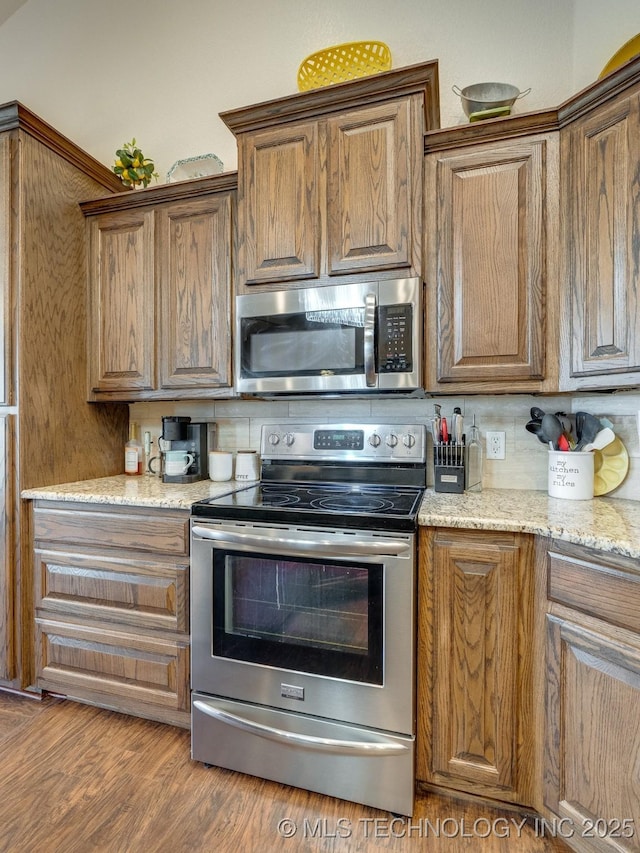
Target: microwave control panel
395, 339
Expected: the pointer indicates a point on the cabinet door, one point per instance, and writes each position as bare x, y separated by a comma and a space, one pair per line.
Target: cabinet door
280, 227
144, 675
122, 301
369, 184
6, 397
474, 664
602, 153
8, 603
194, 278
592, 756
488, 239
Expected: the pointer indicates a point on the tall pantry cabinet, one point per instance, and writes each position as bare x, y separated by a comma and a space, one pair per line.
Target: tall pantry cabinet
48, 432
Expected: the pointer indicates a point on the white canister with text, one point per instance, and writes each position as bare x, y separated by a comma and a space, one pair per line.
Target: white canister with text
571, 475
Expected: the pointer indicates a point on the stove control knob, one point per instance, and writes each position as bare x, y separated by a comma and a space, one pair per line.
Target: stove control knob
274, 439
289, 438
408, 440
392, 440
375, 440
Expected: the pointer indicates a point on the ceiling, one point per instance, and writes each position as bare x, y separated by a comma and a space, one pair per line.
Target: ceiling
8, 7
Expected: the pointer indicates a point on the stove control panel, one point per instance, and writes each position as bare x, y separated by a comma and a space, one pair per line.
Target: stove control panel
345, 442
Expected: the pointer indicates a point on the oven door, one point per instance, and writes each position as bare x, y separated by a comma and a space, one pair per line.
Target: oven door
309, 620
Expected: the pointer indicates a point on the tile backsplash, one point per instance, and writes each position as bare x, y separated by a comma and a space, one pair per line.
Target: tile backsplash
239, 424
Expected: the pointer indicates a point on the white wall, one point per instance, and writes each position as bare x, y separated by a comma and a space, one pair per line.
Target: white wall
599, 31
161, 70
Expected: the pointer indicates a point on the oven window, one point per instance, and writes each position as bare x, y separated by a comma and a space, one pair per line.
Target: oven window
303, 615
304, 344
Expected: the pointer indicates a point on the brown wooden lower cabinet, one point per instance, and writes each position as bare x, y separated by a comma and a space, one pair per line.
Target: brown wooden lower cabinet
475, 628
112, 598
592, 731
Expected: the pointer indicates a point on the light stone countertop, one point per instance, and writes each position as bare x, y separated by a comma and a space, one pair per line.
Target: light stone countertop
144, 490
604, 523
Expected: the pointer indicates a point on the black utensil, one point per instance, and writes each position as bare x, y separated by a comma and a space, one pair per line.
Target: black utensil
552, 430
536, 413
590, 427
536, 428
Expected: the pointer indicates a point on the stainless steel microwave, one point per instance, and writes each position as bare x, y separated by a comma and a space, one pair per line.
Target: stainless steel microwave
345, 338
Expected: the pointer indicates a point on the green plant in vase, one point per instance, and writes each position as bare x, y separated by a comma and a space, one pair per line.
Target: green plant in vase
132, 167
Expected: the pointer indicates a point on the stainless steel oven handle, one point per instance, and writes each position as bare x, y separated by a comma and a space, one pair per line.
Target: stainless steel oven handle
324, 744
383, 547
369, 339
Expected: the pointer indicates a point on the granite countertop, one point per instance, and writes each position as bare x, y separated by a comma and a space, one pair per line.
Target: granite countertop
604, 523
145, 490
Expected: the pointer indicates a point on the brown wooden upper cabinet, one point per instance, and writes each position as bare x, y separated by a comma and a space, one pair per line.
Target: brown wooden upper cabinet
601, 198
330, 181
491, 235
160, 266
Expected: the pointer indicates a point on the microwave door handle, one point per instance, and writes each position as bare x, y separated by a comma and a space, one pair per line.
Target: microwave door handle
369, 339
381, 547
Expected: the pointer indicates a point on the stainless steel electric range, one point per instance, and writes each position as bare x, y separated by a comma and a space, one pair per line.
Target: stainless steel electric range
303, 614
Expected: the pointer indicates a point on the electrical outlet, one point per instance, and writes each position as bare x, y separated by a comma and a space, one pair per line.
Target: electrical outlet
495, 445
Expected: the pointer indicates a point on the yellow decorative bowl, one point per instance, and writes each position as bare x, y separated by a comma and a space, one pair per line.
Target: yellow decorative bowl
343, 62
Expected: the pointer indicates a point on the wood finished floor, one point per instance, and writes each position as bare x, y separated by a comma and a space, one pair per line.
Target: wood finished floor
77, 779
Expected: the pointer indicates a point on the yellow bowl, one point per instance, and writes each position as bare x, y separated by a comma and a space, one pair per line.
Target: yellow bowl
343, 62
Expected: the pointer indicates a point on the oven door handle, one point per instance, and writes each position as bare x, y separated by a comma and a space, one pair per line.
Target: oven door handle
383, 547
324, 744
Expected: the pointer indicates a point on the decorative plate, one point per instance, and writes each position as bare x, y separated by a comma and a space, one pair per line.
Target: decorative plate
610, 467
628, 50
195, 167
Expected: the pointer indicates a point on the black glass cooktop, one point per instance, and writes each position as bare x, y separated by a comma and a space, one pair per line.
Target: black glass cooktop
378, 507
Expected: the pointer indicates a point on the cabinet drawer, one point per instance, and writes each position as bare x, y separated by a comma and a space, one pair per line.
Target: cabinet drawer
147, 593
141, 531
127, 669
606, 586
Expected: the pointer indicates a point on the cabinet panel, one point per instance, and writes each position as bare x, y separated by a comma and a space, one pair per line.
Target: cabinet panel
141, 532
111, 593
474, 666
6, 396
607, 589
194, 273
86, 662
125, 589
602, 152
489, 242
280, 226
122, 301
369, 213
593, 733
8, 602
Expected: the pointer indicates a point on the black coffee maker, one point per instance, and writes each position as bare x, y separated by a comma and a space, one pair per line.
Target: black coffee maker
179, 434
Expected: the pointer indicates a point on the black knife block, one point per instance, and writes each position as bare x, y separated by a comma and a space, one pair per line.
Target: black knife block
448, 468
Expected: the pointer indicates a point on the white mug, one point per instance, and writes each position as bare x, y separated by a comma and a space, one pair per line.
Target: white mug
247, 465
220, 465
177, 462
